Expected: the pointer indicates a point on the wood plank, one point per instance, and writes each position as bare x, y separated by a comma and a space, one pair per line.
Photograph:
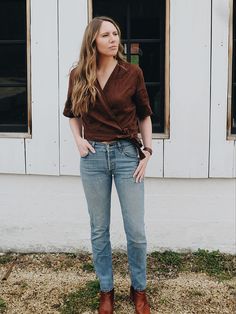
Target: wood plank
186, 153
42, 151
155, 164
12, 156
72, 23
221, 149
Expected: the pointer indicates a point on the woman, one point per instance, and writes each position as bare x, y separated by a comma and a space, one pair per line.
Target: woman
107, 96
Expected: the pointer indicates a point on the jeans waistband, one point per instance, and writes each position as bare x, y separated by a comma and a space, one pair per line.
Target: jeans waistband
116, 143
121, 142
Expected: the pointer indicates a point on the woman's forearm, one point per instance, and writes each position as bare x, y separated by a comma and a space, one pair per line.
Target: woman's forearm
145, 127
76, 128
83, 145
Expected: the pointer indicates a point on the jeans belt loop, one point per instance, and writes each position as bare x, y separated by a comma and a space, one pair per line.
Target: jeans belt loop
119, 144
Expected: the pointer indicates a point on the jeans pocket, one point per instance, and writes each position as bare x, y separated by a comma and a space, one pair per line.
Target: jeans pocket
84, 156
89, 152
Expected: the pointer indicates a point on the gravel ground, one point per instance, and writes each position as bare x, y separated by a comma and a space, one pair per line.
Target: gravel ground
38, 284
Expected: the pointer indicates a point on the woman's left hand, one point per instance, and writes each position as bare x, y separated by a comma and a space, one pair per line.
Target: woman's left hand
140, 170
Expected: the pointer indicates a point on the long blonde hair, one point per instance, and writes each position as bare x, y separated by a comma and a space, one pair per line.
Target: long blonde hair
84, 91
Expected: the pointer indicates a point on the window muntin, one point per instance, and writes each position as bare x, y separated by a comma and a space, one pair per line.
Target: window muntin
142, 25
13, 67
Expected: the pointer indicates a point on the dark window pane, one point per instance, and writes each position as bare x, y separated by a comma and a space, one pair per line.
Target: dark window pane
114, 9
12, 61
234, 20
13, 109
12, 19
234, 68
234, 108
148, 57
13, 66
155, 101
145, 19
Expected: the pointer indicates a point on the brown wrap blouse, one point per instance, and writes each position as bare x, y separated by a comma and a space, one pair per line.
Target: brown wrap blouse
122, 101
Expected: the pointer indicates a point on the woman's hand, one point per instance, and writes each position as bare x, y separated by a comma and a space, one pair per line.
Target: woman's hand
140, 170
84, 147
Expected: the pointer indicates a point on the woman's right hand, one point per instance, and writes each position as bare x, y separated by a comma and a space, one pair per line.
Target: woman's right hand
84, 147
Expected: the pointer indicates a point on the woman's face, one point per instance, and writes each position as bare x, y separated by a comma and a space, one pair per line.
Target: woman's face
107, 40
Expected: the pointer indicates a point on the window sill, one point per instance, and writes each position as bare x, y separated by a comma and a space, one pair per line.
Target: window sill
15, 135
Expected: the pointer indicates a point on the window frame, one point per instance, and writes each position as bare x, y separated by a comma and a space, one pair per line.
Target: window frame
166, 133
28, 60
230, 135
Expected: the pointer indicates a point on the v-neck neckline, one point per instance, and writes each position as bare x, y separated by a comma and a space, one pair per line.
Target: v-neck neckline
107, 81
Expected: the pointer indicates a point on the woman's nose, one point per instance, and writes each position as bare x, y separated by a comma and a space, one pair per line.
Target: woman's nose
112, 38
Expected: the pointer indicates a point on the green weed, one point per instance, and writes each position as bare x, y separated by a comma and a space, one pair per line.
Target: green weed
86, 298
88, 267
3, 306
214, 264
6, 258
220, 265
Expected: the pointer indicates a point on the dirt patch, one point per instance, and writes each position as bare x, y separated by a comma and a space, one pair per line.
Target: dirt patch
40, 284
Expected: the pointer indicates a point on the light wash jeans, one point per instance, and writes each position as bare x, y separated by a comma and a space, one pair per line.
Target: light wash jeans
120, 160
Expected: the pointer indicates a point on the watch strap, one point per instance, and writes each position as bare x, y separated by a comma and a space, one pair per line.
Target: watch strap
148, 149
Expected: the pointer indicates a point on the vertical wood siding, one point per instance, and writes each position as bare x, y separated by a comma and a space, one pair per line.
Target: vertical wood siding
186, 153
42, 151
12, 155
72, 22
221, 150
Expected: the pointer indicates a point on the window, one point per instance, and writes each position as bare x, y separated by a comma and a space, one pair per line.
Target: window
233, 101
143, 28
13, 67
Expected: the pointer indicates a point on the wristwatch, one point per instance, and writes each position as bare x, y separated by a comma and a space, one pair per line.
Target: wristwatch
148, 149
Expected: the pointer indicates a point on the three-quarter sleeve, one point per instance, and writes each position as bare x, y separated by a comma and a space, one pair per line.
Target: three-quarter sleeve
143, 108
68, 104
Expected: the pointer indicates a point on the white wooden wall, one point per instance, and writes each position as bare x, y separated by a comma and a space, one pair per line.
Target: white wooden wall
42, 151
12, 155
197, 147
222, 152
73, 19
186, 153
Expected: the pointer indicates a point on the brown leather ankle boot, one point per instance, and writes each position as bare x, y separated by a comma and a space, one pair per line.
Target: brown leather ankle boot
106, 302
140, 301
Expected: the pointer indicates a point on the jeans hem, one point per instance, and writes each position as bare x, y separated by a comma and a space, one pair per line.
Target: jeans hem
138, 289
106, 290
